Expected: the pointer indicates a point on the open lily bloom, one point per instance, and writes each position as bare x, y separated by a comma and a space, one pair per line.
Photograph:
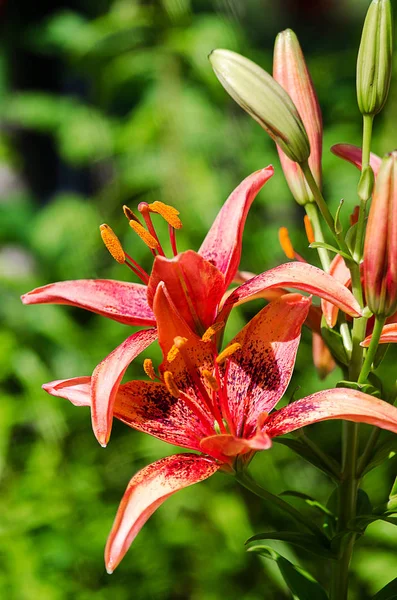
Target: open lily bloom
216, 404
195, 281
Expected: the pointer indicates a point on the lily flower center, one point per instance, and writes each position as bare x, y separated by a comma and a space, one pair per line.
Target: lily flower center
146, 232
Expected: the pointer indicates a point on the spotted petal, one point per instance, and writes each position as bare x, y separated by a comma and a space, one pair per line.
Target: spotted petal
388, 335
106, 379
339, 270
353, 154
259, 373
340, 403
222, 245
146, 491
118, 300
77, 390
301, 276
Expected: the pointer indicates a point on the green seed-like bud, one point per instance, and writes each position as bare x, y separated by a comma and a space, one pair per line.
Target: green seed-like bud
264, 99
374, 62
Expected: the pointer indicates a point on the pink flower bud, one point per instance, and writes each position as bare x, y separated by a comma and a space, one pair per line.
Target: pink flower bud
380, 250
291, 72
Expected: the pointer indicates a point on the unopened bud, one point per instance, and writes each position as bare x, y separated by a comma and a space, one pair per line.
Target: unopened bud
374, 62
366, 184
291, 72
264, 100
380, 250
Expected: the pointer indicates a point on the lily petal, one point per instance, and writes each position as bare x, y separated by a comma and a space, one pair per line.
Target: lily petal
339, 270
148, 407
222, 245
226, 446
388, 336
146, 491
301, 276
322, 357
118, 300
353, 154
106, 379
259, 373
195, 286
170, 323
339, 403
77, 390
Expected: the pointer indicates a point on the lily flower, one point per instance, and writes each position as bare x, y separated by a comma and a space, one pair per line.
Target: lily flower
196, 282
216, 404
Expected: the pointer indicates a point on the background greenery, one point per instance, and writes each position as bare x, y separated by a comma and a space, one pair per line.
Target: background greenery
112, 102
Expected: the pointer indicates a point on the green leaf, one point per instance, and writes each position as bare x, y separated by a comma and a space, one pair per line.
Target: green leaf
392, 504
302, 585
307, 541
364, 506
337, 223
380, 355
350, 238
360, 524
385, 451
389, 592
309, 501
334, 341
366, 388
308, 454
330, 248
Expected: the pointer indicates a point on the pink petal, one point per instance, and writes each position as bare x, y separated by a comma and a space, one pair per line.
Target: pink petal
76, 390
226, 446
339, 270
147, 406
106, 379
353, 154
146, 491
389, 335
303, 277
259, 373
340, 403
322, 357
117, 300
222, 245
194, 285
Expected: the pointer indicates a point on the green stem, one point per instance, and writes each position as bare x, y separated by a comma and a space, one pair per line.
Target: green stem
312, 213
365, 158
330, 463
373, 346
322, 205
245, 480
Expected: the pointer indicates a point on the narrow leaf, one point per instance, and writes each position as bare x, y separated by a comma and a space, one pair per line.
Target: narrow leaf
307, 541
306, 453
389, 592
309, 501
330, 248
385, 451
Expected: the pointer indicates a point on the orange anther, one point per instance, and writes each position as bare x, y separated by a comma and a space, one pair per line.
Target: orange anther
148, 368
169, 213
129, 214
228, 352
210, 379
309, 230
144, 234
180, 341
170, 384
285, 242
112, 243
211, 331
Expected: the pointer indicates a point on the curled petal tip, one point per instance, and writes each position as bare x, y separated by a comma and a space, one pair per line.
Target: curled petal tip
103, 445
109, 571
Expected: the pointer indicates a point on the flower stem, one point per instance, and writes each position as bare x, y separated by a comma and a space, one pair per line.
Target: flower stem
366, 152
373, 346
246, 481
312, 213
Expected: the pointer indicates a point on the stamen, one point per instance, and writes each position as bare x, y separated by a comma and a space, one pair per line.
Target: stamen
171, 385
143, 208
149, 369
144, 235
169, 213
211, 331
129, 214
309, 230
210, 379
285, 242
179, 342
171, 231
112, 243
227, 352
137, 269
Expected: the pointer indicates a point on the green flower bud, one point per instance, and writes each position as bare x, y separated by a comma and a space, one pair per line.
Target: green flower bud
264, 99
374, 62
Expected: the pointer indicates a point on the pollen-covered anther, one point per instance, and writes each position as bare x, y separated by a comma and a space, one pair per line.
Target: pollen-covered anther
172, 353
129, 214
149, 369
180, 341
210, 380
211, 331
169, 213
227, 352
285, 242
170, 384
144, 234
309, 230
112, 243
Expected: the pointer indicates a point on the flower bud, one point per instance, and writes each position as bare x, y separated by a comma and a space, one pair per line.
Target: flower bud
291, 72
374, 62
380, 250
264, 99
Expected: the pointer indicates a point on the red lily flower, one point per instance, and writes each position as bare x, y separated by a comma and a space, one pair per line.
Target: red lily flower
216, 404
196, 283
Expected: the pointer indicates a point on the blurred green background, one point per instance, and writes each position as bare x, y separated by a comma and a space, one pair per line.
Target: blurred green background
112, 102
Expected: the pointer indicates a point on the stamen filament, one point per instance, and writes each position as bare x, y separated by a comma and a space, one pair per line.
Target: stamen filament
173, 239
145, 212
137, 273
143, 275
223, 398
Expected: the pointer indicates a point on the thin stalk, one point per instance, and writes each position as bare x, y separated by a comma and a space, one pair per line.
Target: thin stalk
246, 481
365, 158
312, 213
373, 346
